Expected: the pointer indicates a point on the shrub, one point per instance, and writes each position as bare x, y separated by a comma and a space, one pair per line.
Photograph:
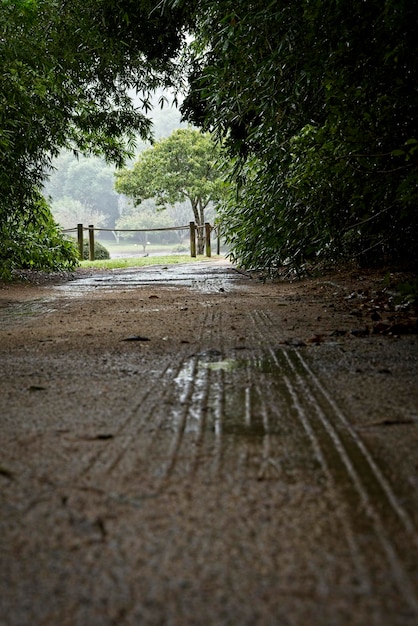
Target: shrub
34, 242
100, 252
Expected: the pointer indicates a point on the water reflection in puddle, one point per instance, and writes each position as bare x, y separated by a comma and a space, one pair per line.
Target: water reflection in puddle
228, 410
200, 277
226, 394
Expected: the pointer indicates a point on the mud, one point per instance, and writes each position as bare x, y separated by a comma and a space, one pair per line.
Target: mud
193, 446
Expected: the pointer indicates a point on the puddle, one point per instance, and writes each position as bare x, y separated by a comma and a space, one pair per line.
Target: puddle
203, 277
199, 277
20, 311
225, 393
226, 365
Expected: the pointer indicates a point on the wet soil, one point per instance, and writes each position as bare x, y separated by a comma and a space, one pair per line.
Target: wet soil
193, 446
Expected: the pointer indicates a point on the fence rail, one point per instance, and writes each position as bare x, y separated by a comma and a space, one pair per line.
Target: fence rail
191, 227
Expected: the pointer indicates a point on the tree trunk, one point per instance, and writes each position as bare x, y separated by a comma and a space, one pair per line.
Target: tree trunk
199, 216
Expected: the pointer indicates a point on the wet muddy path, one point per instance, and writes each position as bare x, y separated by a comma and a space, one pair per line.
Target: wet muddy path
190, 446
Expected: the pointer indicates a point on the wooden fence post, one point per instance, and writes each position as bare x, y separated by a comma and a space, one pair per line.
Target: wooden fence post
91, 242
192, 239
80, 241
208, 228
218, 241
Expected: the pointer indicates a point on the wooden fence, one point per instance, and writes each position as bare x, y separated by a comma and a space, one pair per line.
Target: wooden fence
192, 228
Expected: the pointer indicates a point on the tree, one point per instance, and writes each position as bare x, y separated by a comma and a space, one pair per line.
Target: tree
182, 166
144, 219
69, 212
88, 181
65, 70
316, 103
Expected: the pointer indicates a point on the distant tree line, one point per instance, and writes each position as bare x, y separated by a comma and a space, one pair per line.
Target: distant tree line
81, 188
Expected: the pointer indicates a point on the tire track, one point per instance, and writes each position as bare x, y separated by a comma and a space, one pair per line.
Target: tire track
110, 455
310, 383
380, 479
222, 409
137, 434
229, 437
189, 399
339, 448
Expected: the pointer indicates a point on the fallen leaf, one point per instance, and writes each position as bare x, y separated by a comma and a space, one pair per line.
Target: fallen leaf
391, 422
100, 437
6, 473
136, 338
316, 339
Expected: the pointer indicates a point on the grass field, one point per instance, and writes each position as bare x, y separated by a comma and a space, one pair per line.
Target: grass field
132, 249
143, 261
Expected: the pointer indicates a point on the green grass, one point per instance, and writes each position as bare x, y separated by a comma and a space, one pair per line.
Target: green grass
137, 249
142, 261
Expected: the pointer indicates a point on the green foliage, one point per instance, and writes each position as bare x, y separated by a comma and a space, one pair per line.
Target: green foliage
316, 103
34, 241
65, 71
180, 167
100, 252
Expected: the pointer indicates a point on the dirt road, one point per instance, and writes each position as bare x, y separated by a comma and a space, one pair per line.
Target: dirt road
190, 446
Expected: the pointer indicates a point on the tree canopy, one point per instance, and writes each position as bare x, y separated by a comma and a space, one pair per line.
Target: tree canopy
179, 167
317, 103
65, 70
